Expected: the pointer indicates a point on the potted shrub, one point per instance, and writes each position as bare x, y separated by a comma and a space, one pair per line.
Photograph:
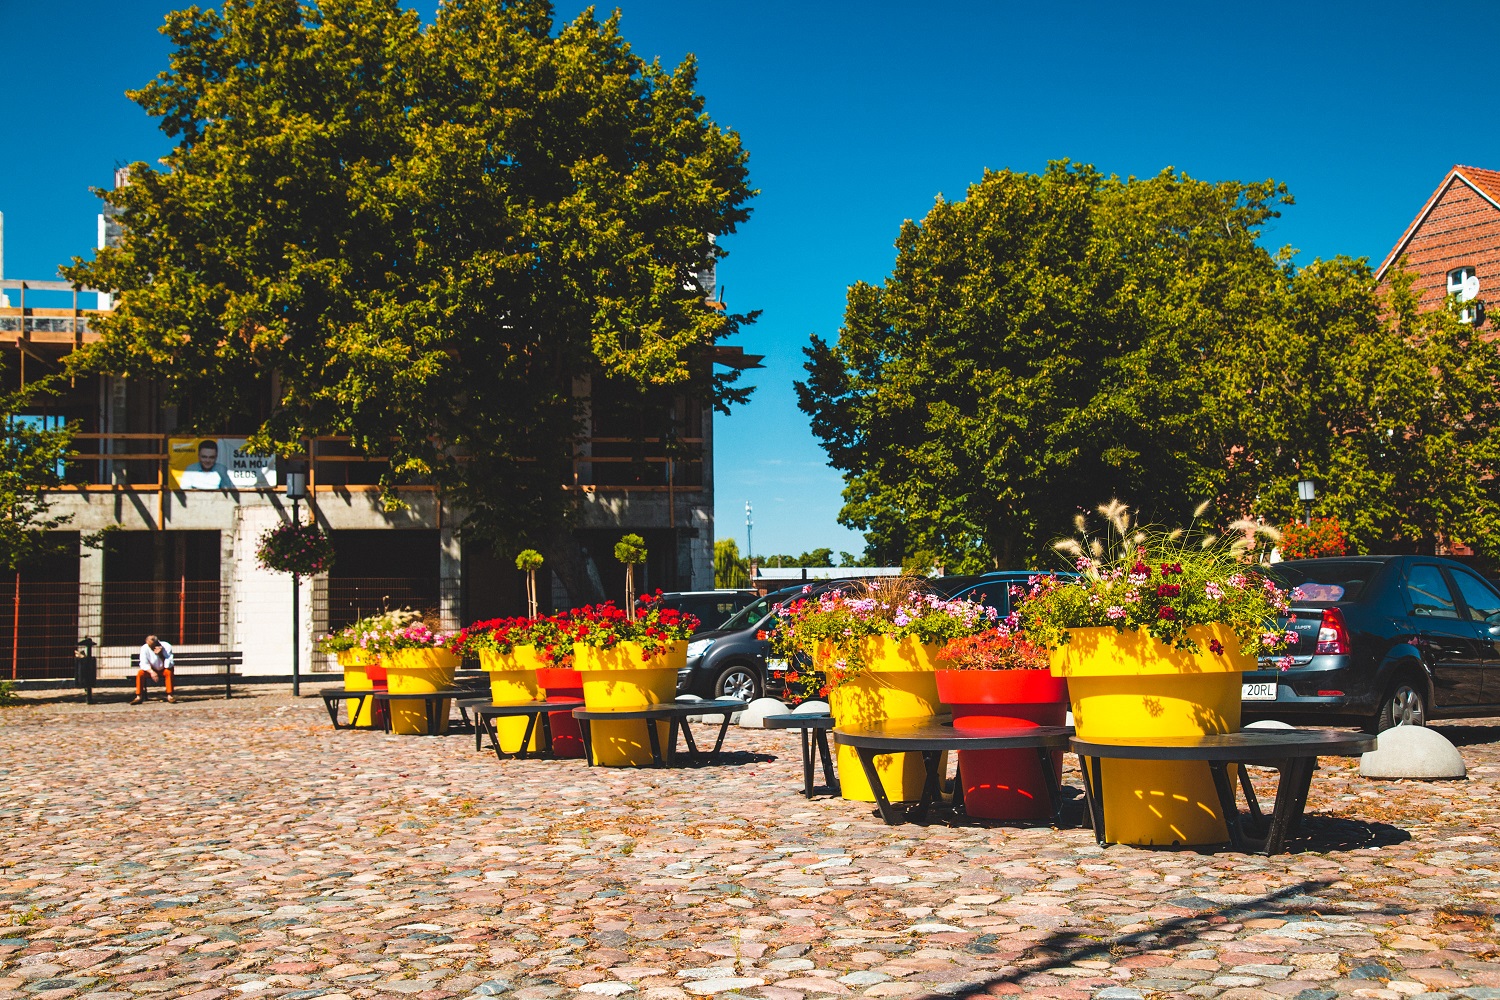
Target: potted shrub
994, 681
512, 651
352, 647
874, 649
418, 660
628, 662
1153, 636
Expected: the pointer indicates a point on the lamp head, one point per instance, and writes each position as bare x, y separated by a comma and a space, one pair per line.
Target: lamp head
1307, 490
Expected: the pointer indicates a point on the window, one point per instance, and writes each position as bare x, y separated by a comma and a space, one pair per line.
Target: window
1483, 602
1428, 594
1463, 284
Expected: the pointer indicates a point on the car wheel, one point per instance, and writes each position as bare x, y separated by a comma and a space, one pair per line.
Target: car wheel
1405, 704
739, 683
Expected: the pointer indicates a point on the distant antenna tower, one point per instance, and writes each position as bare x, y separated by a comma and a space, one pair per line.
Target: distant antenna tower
749, 548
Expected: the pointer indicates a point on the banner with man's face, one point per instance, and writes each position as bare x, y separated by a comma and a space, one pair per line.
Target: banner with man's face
217, 464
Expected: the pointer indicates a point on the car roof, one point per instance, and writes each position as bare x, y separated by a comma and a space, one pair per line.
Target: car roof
707, 593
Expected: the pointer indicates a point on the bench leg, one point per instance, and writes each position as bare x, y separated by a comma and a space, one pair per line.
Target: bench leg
893, 815
1291, 800
1230, 807
687, 735
820, 737
331, 706
585, 730
1054, 785
719, 743
656, 740
1256, 816
1093, 794
807, 763
932, 785
546, 718
492, 730
526, 737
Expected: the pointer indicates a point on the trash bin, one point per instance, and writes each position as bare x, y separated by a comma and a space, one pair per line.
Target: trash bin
85, 668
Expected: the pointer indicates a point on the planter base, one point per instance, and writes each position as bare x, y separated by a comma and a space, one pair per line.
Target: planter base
625, 743
515, 687
872, 698
559, 683
419, 672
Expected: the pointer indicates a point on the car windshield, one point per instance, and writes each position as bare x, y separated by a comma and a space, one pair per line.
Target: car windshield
754, 612
1324, 582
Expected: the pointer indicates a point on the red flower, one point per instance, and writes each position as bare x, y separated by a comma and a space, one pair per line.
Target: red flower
793, 677
1216, 647
1140, 569
1167, 614
1168, 589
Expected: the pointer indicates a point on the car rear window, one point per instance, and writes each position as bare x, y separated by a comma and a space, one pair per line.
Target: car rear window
1325, 582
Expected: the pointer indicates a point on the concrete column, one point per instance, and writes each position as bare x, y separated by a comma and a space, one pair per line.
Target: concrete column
91, 594
263, 602
450, 575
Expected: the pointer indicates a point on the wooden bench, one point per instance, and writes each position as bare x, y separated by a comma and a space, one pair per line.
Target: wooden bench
214, 667
1293, 752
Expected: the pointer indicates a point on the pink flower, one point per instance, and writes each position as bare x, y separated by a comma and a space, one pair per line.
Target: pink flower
1285, 663
1115, 612
1214, 591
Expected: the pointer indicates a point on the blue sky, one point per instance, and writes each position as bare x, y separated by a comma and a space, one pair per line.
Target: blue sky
857, 115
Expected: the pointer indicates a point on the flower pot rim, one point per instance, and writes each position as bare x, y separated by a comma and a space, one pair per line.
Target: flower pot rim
1101, 651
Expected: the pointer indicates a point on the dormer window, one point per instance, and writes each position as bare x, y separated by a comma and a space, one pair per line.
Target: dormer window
1463, 285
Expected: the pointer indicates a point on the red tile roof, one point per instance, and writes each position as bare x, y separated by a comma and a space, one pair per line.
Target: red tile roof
1486, 182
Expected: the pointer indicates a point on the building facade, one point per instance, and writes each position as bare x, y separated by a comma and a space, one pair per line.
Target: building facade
1453, 244
163, 525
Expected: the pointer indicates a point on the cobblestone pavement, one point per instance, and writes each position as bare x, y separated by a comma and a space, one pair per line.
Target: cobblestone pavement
243, 848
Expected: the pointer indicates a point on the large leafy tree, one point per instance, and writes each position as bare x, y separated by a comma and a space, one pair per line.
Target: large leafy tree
29, 458
1056, 340
422, 236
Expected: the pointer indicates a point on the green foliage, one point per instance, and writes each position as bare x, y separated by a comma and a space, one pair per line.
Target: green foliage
529, 560
28, 467
1055, 340
8, 694
420, 236
631, 549
817, 557
295, 547
731, 571
1160, 582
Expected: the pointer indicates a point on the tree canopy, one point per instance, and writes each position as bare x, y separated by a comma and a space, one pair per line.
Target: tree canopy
1056, 340
421, 236
29, 459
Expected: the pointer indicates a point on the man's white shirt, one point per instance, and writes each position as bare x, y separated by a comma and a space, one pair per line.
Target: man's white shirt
151, 660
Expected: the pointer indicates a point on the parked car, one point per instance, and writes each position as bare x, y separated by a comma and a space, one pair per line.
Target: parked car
1382, 641
734, 661
992, 589
711, 607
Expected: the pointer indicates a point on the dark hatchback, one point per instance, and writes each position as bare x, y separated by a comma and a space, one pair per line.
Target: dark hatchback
1382, 641
712, 608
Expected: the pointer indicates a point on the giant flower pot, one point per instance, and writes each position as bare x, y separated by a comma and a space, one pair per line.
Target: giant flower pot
1004, 784
560, 684
1128, 684
358, 666
621, 677
513, 682
897, 683
419, 671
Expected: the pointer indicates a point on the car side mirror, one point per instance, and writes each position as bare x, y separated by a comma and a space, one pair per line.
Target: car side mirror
1494, 631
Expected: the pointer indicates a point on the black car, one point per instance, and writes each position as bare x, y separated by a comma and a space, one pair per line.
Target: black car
1382, 641
992, 589
734, 661
712, 608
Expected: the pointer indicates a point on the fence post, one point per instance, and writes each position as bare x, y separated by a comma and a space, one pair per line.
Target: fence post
182, 609
15, 625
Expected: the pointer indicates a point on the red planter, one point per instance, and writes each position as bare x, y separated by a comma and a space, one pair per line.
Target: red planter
561, 685
1004, 784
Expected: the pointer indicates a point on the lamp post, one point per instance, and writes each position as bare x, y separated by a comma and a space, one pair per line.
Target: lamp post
296, 489
1307, 492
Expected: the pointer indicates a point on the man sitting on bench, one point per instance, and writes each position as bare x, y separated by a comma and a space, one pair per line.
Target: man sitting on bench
156, 662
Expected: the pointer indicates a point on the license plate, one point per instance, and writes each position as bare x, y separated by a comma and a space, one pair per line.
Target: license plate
776, 666
1258, 691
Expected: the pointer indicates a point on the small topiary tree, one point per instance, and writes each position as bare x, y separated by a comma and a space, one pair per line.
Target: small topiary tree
530, 560
630, 549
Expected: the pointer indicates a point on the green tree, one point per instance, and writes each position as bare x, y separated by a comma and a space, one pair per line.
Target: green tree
630, 550
29, 457
731, 571
1044, 344
422, 237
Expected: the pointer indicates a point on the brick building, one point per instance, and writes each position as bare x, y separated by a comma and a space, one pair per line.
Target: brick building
1453, 245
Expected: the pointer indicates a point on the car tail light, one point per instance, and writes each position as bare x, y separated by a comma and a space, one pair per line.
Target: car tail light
1330, 694
1333, 634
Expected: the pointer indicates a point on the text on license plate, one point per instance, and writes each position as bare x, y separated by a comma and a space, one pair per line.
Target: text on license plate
777, 666
1258, 691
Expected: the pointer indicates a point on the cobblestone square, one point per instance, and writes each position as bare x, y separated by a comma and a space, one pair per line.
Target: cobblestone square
245, 849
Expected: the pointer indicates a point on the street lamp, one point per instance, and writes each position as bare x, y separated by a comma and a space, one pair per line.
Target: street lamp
294, 475
1307, 492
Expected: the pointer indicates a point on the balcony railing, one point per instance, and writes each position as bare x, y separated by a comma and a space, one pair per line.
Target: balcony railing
609, 464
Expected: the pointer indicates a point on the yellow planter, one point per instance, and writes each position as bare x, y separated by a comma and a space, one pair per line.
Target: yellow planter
1130, 685
897, 683
354, 662
418, 671
513, 682
620, 678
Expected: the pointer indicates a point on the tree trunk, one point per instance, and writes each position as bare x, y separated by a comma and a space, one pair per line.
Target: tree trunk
565, 556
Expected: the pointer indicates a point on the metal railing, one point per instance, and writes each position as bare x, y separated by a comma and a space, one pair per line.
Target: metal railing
139, 462
338, 602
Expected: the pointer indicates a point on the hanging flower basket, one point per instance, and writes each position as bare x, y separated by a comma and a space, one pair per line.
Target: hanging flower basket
294, 547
